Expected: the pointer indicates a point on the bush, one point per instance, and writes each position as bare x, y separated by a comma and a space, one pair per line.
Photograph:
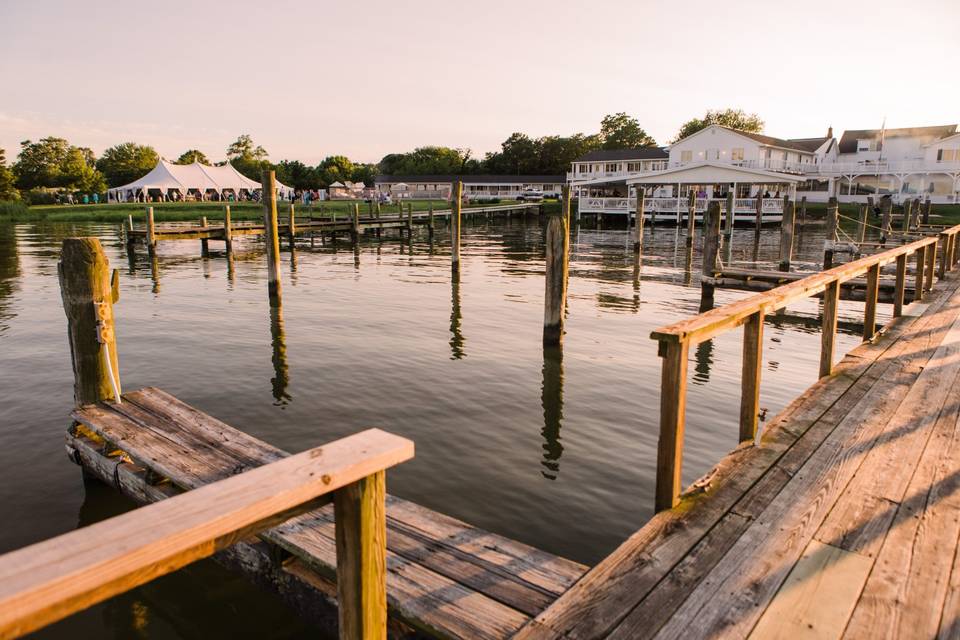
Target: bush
12, 209
41, 196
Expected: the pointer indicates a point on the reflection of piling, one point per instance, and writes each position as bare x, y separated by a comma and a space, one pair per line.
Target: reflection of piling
151, 232
273, 241
456, 319
638, 229
833, 212
455, 202
155, 273
551, 398
786, 233
227, 230
278, 341
555, 297
85, 287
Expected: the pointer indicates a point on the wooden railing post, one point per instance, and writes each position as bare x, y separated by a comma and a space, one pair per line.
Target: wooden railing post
943, 267
831, 300
900, 286
269, 195
455, 200
931, 264
921, 262
833, 212
85, 287
673, 398
750, 378
227, 230
638, 228
557, 245
786, 234
361, 532
870, 307
151, 231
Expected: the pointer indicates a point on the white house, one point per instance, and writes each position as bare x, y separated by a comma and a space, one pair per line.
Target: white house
475, 187
909, 162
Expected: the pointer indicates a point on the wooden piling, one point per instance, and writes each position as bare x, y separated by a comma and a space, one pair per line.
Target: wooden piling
926, 211
292, 225
900, 285
870, 306
752, 364
129, 230
455, 202
204, 242
638, 228
409, 220
862, 224
557, 242
711, 239
786, 234
227, 230
803, 211
151, 233
907, 212
931, 264
269, 195
691, 216
355, 230
886, 215
729, 221
85, 288
828, 331
921, 261
360, 523
759, 213
673, 401
430, 225
833, 212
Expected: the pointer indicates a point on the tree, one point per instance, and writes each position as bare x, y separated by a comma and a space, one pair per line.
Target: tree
731, 118
39, 163
620, 131
191, 156
365, 173
8, 190
518, 155
79, 174
126, 162
294, 173
335, 169
429, 160
247, 158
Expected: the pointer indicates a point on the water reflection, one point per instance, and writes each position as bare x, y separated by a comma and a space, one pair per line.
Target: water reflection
278, 340
155, 273
551, 399
456, 336
704, 358
9, 273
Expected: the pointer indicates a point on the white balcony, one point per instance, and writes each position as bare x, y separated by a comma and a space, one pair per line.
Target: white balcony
665, 208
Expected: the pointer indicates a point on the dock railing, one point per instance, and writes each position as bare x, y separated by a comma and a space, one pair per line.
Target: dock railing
675, 340
50, 580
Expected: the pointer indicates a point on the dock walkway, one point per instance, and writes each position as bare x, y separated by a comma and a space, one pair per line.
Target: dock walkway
844, 522
444, 577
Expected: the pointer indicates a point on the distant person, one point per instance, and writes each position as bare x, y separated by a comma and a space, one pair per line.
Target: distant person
86, 199
96, 198
766, 194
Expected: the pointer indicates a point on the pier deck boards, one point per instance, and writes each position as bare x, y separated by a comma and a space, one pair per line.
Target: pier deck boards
445, 577
844, 522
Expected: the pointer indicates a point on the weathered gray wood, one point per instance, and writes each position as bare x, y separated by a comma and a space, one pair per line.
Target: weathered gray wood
833, 212
691, 216
729, 223
711, 239
151, 235
786, 234
886, 215
269, 195
907, 213
931, 256
456, 200
673, 398
84, 274
752, 366
862, 224
759, 216
291, 224
204, 242
639, 220
803, 210
831, 301
227, 230
557, 246
921, 258
870, 308
900, 286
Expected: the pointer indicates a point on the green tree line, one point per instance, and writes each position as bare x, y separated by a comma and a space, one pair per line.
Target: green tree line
52, 164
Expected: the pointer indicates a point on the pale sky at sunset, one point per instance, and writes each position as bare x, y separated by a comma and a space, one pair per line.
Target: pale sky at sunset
311, 79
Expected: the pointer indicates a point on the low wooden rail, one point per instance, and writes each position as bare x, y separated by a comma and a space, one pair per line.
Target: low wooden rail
45, 582
677, 339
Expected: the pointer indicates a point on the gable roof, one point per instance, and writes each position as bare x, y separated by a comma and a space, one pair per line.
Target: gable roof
798, 144
848, 141
643, 153
716, 173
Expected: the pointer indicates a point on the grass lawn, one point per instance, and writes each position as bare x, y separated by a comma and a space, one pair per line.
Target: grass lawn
185, 211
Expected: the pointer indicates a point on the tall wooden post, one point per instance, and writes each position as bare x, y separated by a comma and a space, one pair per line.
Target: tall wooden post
376, 209
129, 232
269, 191
204, 242
862, 224
711, 239
907, 212
786, 234
360, 524
870, 307
638, 228
291, 225
455, 201
151, 232
803, 211
691, 216
931, 264
355, 231
833, 212
227, 230
557, 243
85, 287
759, 222
921, 262
886, 213
673, 401
409, 220
430, 226
828, 331
728, 225
900, 285
926, 211
752, 365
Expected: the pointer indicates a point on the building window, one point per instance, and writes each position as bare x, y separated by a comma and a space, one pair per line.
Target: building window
612, 167
948, 155
686, 156
736, 155
865, 145
584, 168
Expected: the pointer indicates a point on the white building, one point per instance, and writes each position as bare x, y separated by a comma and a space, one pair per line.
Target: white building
915, 162
475, 187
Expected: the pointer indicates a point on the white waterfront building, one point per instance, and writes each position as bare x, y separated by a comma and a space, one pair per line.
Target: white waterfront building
475, 187
902, 163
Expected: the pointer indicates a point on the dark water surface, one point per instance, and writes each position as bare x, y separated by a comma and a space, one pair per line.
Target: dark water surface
554, 449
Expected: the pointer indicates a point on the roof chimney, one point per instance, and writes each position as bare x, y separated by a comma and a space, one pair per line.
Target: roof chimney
830, 132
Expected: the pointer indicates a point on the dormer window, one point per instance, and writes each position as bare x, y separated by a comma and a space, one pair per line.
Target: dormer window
865, 145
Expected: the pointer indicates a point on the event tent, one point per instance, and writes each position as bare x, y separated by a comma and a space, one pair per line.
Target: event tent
167, 176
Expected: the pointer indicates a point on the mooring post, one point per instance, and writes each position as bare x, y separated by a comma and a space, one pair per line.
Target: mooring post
862, 224
269, 191
409, 220
803, 210
691, 216
728, 226
886, 213
204, 242
292, 225
129, 231
917, 211
355, 232
227, 230
151, 234
430, 227
711, 239
455, 199
88, 295
376, 209
759, 214
926, 211
831, 233
907, 212
638, 229
557, 243
786, 233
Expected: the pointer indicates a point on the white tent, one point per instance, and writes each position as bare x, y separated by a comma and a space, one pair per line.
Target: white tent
167, 176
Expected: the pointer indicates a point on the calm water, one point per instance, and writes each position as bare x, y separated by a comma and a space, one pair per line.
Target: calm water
555, 449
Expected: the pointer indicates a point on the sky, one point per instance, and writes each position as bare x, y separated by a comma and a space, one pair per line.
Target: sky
312, 79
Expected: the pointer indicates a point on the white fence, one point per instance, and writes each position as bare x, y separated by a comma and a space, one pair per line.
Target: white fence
676, 206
